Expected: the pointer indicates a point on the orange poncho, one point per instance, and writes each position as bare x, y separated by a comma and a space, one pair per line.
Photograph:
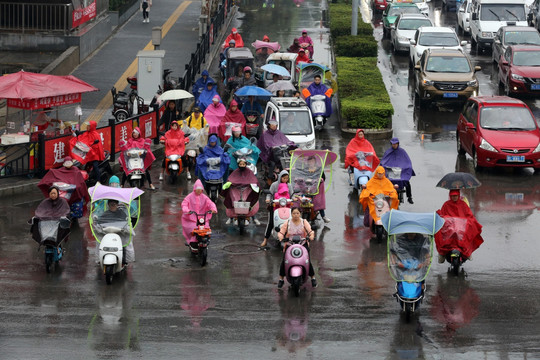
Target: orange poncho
377, 186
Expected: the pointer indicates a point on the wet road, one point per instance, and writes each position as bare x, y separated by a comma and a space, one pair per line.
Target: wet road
167, 306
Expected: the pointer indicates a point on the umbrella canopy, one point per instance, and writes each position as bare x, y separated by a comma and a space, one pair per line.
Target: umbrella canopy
252, 91
402, 222
258, 44
175, 95
280, 85
23, 89
124, 195
276, 69
458, 180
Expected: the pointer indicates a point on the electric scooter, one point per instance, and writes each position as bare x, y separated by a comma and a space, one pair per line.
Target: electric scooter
296, 263
202, 235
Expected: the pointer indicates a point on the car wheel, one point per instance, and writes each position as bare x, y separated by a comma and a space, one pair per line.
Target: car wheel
460, 149
475, 161
473, 45
460, 29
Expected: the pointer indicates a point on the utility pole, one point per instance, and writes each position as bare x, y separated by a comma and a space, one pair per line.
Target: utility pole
354, 19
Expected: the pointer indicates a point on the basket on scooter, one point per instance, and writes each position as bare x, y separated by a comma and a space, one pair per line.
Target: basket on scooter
252, 129
241, 207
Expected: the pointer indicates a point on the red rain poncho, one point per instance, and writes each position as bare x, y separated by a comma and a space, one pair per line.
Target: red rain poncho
198, 203
355, 145
89, 137
175, 143
231, 117
460, 231
139, 143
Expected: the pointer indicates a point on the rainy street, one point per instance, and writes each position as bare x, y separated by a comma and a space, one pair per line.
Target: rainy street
166, 305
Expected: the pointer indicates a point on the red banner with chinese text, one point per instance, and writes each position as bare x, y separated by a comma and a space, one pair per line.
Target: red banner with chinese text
41, 103
84, 14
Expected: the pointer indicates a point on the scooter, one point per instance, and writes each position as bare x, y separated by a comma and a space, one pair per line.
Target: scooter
296, 263
79, 152
247, 154
135, 166
111, 252
394, 175
123, 104
196, 139
202, 235
359, 178
456, 260
213, 186
173, 158
382, 206
318, 111
51, 237
253, 123
282, 160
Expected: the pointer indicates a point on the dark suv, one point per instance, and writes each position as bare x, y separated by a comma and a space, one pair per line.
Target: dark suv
445, 75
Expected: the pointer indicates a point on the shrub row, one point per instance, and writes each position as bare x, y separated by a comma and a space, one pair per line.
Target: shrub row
364, 101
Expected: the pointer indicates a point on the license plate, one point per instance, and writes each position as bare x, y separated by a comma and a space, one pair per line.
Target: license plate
513, 196
535, 87
450, 95
515, 158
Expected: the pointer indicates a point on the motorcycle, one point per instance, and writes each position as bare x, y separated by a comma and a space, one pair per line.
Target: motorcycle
113, 230
241, 194
410, 249
51, 233
296, 263
79, 150
202, 235
134, 166
358, 177
307, 175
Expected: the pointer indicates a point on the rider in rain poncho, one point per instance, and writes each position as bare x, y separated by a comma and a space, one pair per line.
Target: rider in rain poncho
198, 202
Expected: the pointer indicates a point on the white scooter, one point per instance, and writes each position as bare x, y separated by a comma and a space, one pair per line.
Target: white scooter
318, 109
282, 213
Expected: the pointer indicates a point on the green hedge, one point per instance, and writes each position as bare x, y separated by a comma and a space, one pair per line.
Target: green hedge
340, 21
356, 46
364, 101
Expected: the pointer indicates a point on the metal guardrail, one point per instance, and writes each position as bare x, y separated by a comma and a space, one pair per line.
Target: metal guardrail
18, 160
27, 17
203, 47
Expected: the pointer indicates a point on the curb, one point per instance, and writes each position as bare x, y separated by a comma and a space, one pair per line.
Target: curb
18, 189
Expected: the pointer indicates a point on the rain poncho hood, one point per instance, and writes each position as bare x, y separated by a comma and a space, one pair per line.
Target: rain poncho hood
377, 186
269, 139
231, 117
198, 203
356, 145
275, 187
398, 158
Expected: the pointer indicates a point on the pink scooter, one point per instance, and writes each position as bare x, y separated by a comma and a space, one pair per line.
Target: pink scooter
296, 263
245, 203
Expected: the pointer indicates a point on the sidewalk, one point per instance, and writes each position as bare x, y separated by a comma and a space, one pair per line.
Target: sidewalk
113, 62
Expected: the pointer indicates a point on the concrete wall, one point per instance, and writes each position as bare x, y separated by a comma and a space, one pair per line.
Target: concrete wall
65, 63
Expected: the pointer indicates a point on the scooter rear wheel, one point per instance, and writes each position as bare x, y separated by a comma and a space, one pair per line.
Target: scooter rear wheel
109, 272
454, 266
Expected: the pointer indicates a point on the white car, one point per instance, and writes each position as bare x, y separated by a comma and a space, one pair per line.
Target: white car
423, 6
432, 37
403, 29
464, 16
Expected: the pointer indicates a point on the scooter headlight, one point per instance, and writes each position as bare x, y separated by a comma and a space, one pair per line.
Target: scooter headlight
201, 221
282, 202
296, 252
110, 249
379, 204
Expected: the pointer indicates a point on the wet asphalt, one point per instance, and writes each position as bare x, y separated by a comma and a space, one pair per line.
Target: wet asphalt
166, 305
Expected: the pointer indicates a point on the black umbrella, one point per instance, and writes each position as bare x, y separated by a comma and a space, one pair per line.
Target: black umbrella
458, 180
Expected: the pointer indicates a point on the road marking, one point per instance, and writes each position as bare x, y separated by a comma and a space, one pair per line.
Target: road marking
106, 103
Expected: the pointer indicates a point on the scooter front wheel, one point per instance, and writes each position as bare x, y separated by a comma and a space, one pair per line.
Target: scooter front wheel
296, 283
109, 272
408, 312
203, 254
379, 233
48, 262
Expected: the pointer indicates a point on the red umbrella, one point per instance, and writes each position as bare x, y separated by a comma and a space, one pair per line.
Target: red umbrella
25, 90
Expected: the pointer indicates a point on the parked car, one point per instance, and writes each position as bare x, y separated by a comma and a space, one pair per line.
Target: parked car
519, 70
404, 28
513, 35
432, 37
423, 6
534, 14
379, 5
464, 17
445, 75
451, 5
391, 13
498, 131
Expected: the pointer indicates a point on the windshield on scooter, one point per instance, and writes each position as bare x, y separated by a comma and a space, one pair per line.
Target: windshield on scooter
409, 256
365, 160
306, 172
80, 149
197, 137
134, 158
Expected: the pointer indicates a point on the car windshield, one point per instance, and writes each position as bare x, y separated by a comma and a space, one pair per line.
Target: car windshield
418, 1
502, 12
295, 123
522, 38
507, 118
448, 64
395, 11
438, 39
413, 24
526, 58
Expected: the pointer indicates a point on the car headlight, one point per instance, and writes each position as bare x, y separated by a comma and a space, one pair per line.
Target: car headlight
310, 144
487, 146
427, 82
518, 77
487, 34
537, 148
403, 39
472, 83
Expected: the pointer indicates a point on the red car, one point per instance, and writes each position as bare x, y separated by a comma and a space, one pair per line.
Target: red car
379, 5
519, 70
498, 131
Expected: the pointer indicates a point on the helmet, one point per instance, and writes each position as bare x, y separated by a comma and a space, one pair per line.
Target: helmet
247, 69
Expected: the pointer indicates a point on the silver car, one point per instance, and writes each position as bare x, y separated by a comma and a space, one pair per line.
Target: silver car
513, 35
404, 28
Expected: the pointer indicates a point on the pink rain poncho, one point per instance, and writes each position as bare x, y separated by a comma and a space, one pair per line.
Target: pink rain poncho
213, 114
198, 203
